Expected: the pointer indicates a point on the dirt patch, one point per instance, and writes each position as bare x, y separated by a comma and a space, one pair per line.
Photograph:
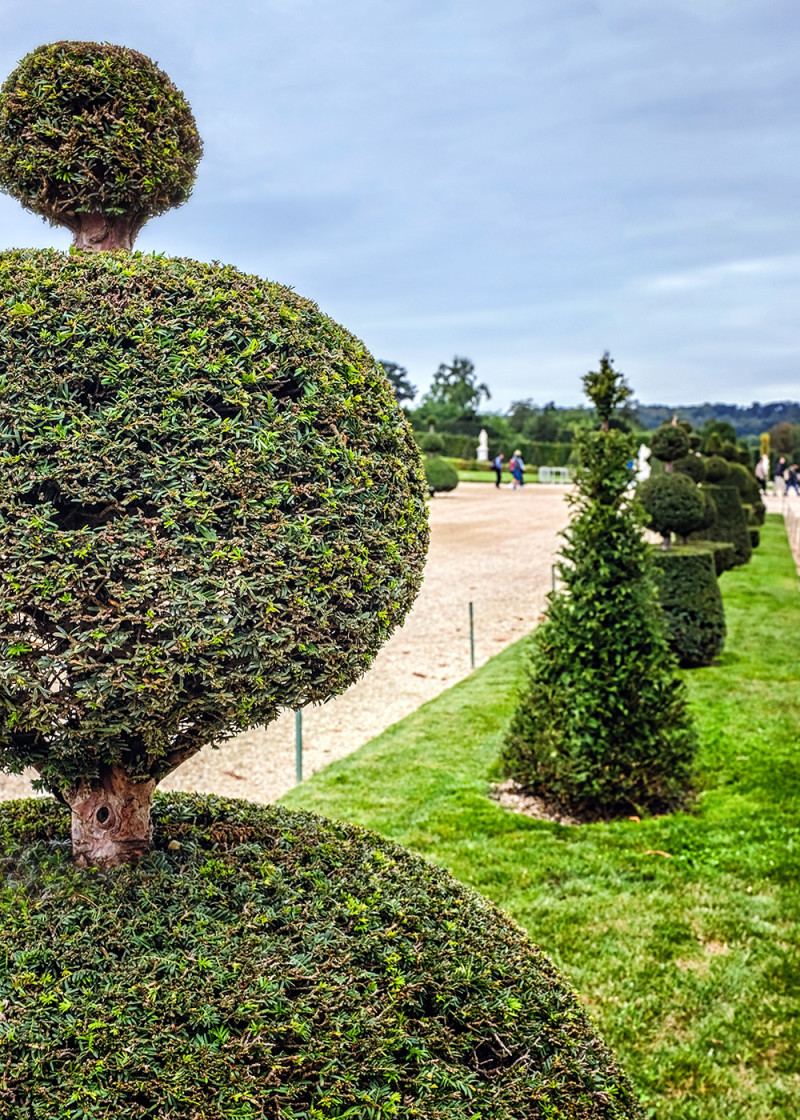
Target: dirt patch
492, 547
518, 800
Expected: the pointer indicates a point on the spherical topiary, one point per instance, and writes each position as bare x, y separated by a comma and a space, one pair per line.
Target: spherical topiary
729, 451
440, 476
432, 443
745, 482
263, 963
692, 465
717, 469
690, 599
93, 135
211, 508
673, 504
669, 442
695, 441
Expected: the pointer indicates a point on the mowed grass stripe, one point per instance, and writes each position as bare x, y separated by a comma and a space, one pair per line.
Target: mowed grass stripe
689, 961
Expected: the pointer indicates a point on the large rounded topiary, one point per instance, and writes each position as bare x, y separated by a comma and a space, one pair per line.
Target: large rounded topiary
211, 506
691, 465
261, 963
96, 138
673, 504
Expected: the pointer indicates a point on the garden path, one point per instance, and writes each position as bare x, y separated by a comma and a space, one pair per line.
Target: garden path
494, 548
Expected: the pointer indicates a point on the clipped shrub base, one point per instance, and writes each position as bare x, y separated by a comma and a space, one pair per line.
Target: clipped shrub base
266, 963
691, 603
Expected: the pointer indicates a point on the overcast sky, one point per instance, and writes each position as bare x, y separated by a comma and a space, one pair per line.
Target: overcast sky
524, 182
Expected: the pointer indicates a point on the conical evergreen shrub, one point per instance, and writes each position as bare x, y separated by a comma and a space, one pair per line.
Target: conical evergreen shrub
601, 726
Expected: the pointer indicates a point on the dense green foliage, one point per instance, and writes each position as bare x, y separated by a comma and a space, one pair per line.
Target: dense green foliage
431, 443
681, 932
673, 504
90, 127
669, 442
600, 727
439, 474
692, 465
717, 469
263, 963
692, 604
730, 522
606, 389
210, 507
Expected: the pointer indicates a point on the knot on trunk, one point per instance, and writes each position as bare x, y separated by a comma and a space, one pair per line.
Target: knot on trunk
110, 818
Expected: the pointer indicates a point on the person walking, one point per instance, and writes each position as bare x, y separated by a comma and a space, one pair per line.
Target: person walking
497, 464
762, 472
778, 479
791, 480
517, 468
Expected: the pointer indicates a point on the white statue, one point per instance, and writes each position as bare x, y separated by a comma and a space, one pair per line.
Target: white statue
483, 447
642, 466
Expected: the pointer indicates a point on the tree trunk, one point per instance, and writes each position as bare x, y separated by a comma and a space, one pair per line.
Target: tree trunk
96, 232
110, 819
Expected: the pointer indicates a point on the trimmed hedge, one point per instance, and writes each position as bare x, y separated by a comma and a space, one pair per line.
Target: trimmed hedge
440, 476
717, 469
723, 553
693, 465
692, 604
211, 507
730, 523
669, 442
262, 963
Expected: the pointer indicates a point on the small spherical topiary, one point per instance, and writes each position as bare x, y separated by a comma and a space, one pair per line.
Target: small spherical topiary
440, 475
264, 963
93, 135
692, 465
431, 443
673, 504
717, 469
669, 442
729, 451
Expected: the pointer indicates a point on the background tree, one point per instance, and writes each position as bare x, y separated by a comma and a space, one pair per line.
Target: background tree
601, 725
455, 392
398, 379
211, 506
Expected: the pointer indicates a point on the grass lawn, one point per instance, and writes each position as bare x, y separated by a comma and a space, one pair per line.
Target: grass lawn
689, 961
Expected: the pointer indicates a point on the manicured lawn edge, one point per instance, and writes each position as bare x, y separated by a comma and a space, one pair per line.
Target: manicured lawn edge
689, 960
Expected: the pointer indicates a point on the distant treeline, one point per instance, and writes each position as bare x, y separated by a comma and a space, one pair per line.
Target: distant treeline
749, 420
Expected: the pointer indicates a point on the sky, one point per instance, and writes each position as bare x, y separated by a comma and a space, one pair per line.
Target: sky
527, 183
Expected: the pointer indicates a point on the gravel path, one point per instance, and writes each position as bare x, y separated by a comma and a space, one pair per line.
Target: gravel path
491, 547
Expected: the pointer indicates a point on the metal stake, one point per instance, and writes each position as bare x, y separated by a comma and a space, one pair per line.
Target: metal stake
471, 637
298, 744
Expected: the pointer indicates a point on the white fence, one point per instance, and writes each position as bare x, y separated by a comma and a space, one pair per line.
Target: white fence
555, 474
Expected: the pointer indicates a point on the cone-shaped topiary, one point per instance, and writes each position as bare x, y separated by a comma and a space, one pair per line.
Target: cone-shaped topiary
673, 504
211, 507
601, 724
261, 963
440, 475
96, 138
668, 443
690, 599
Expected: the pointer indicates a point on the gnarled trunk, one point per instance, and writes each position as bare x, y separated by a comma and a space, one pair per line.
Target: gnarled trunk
110, 818
97, 232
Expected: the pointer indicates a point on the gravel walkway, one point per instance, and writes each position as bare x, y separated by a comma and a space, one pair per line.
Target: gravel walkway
491, 547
